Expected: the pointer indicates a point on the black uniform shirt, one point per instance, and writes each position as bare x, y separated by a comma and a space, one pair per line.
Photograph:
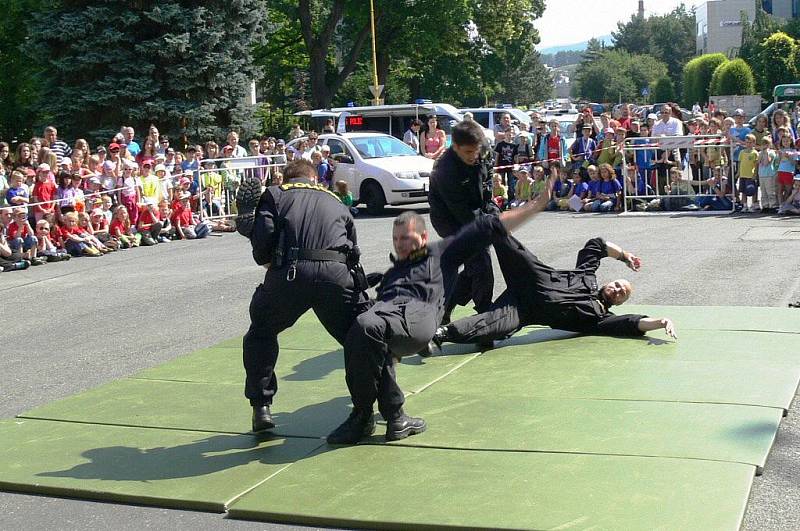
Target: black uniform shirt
565, 299
456, 194
417, 277
311, 216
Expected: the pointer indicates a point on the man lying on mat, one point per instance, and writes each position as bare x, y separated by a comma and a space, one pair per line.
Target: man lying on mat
566, 299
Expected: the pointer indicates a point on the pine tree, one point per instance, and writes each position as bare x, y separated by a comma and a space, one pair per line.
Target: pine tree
184, 66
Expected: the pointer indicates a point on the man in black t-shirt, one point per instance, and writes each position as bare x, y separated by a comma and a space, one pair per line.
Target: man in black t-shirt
505, 151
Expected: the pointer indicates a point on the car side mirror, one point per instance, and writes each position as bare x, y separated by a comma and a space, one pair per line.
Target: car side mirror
343, 158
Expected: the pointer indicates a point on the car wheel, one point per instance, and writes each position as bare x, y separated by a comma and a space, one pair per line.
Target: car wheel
373, 198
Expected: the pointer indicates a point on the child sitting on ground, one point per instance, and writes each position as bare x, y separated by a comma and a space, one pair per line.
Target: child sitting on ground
522, 187
343, 193
20, 237
86, 224
792, 204
100, 228
120, 228
499, 192
167, 230
148, 226
45, 247
76, 240
185, 225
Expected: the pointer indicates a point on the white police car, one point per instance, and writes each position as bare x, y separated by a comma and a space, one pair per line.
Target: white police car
379, 169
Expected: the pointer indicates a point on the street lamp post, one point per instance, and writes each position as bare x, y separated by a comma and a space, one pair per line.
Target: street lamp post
375, 89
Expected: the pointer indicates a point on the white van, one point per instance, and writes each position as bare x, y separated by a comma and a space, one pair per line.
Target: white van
390, 119
489, 117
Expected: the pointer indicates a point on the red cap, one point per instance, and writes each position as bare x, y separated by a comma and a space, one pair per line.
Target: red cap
113, 146
147, 162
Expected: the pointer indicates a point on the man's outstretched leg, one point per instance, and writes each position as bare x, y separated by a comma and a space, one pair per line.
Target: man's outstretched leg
500, 321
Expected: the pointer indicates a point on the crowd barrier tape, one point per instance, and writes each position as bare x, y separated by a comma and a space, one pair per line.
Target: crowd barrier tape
175, 176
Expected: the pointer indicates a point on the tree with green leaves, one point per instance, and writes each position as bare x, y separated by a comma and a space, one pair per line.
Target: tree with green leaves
20, 83
697, 77
185, 67
530, 82
617, 75
733, 78
777, 62
670, 38
662, 90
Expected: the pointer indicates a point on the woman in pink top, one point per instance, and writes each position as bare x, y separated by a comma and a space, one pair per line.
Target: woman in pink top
433, 139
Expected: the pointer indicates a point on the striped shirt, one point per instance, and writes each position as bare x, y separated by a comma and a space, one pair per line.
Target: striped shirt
61, 149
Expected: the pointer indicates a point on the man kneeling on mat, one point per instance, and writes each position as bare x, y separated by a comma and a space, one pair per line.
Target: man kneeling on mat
409, 306
565, 299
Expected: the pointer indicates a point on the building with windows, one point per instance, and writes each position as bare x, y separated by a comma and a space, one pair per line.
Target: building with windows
719, 25
784, 9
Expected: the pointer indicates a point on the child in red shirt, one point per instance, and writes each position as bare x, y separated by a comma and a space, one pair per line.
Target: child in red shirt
20, 236
43, 191
120, 228
76, 240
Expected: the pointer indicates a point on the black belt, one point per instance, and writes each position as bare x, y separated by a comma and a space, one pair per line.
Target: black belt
317, 255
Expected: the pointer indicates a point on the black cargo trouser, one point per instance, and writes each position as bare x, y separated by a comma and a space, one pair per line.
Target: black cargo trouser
402, 326
388, 330
515, 307
475, 282
325, 287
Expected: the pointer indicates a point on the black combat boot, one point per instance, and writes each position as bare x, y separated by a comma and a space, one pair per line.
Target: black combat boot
262, 418
403, 426
358, 425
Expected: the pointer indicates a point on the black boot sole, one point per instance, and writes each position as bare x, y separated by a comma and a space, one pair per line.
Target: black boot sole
247, 198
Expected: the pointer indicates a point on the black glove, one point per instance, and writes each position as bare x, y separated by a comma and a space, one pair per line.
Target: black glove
373, 279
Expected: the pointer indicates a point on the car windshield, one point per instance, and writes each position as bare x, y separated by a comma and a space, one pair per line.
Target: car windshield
375, 147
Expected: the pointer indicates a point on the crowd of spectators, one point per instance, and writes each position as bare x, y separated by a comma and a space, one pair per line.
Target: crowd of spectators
59, 201
757, 173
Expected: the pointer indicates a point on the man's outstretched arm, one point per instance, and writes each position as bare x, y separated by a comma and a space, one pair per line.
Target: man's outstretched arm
615, 251
651, 323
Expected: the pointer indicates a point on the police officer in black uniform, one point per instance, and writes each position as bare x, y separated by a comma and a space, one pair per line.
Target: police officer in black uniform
460, 190
306, 237
565, 299
409, 305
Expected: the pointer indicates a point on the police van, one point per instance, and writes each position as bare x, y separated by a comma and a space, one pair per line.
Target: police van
390, 119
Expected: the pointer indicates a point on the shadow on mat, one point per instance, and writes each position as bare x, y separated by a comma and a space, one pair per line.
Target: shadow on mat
753, 430
198, 458
317, 367
210, 454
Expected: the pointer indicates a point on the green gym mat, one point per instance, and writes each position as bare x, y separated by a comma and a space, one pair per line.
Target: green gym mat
721, 432
168, 468
722, 317
371, 487
549, 430
310, 402
503, 373
296, 368
692, 345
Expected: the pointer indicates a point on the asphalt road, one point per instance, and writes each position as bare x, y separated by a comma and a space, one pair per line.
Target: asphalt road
72, 326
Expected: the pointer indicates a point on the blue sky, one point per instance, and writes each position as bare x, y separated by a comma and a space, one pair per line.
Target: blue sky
571, 21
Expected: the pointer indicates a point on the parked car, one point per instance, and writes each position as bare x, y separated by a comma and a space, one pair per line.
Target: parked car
379, 169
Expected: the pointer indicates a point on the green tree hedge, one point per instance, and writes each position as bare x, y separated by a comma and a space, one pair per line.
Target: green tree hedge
733, 78
697, 77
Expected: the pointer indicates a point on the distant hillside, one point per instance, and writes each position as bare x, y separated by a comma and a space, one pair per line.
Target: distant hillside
578, 46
